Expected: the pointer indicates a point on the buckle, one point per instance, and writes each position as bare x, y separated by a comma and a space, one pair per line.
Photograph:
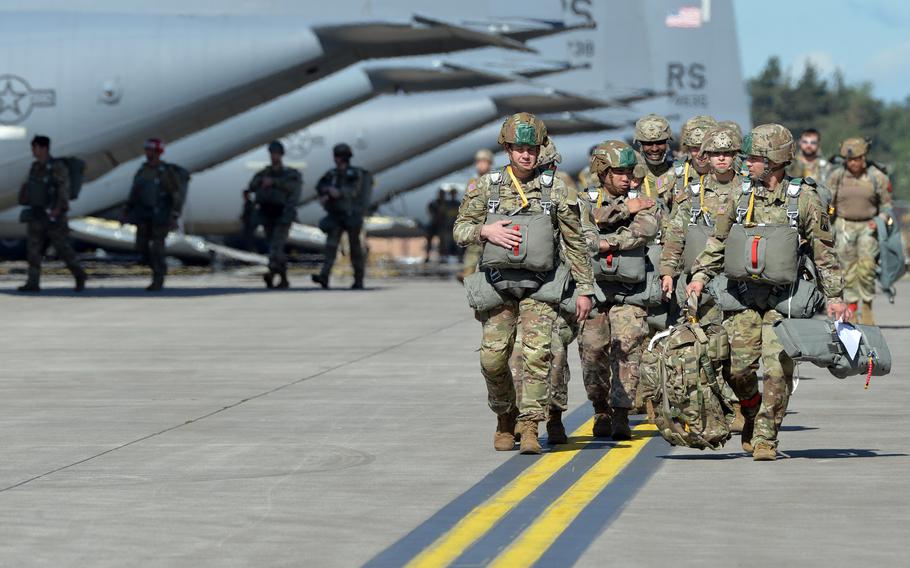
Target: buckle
495, 275
492, 205
546, 206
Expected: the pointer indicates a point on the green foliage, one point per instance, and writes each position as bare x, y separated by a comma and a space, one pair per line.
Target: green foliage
838, 111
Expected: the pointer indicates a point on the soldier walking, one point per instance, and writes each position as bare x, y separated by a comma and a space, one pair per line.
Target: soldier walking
46, 197
276, 189
154, 206
345, 192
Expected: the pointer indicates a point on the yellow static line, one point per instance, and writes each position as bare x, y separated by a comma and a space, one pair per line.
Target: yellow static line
537, 538
484, 517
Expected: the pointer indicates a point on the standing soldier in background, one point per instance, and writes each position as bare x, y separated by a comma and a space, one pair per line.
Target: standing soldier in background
483, 163
154, 206
809, 162
859, 194
46, 196
523, 187
345, 192
774, 200
434, 212
611, 343
277, 193
653, 135
447, 244
585, 179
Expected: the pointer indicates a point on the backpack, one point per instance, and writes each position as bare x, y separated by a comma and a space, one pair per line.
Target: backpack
891, 262
691, 403
76, 170
183, 180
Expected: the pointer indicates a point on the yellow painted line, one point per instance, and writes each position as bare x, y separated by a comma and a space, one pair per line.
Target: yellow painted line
484, 517
537, 538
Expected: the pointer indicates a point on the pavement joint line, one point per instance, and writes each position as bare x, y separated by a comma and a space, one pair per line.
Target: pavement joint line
236, 404
527, 549
473, 526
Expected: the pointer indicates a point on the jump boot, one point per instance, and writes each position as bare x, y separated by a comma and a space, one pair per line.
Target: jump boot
764, 452
621, 429
32, 283
504, 438
556, 432
529, 442
269, 278
322, 280
80, 277
603, 426
283, 280
736, 426
746, 432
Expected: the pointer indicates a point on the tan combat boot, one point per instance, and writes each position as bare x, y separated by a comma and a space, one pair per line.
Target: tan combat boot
504, 438
556, 432
603, 426
736, 426
867, 317
746, 436
764, 452
621, 430
529, 442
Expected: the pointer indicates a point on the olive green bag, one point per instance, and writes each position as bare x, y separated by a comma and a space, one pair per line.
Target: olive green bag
816, 342
482, 296
696, 241
627, 266
645, 294
681, 381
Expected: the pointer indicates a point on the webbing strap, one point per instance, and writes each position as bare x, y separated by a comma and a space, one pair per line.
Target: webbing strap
746, 201
755, 241
495, 192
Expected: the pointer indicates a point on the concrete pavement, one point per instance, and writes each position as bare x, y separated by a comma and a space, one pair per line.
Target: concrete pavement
220, 424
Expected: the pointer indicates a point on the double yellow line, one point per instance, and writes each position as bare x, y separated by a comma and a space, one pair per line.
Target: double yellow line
537, 538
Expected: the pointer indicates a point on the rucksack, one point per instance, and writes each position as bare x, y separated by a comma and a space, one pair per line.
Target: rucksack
76, 170
691, 403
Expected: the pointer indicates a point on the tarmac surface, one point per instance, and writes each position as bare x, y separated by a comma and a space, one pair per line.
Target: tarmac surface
220, 424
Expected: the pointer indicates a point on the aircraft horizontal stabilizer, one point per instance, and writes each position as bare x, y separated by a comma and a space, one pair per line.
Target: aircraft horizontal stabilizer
420, 79
527, 29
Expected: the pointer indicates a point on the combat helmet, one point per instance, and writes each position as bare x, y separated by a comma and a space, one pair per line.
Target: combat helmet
523, 128
734, 125
773, 142
548, 154
652, 128
693, 131
612, 154
721, 139
853, 148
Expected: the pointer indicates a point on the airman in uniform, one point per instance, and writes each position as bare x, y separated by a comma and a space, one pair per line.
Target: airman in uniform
809, 162
434, 212
522, 187
345, 192
769, 148
154, 206
483, 163
698, 204
612, 341
46, 197
653, 136
276, 190
860, 192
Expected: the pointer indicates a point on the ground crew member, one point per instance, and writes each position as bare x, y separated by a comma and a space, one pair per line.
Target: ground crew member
859, 194
653, 135
769, 148
345, 192
46, 197
483, 163
434, 212
154, 206
276, 190
612, 341
698, 205
809, 162
522, 187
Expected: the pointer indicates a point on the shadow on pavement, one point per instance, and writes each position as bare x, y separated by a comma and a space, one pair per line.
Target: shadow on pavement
168, 292
838, 453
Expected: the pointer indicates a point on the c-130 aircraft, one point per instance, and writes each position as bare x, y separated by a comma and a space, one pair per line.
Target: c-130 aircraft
214, 207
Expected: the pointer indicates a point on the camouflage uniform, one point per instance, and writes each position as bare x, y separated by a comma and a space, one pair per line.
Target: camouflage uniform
800, 167
474, 250
660, 181
154, 206
612, 341
277, 209
536, 319
856, 202
46, 194
751, 334
345, 215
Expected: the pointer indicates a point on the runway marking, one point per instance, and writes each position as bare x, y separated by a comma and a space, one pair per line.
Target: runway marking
237, 403
482, 518
538, 538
